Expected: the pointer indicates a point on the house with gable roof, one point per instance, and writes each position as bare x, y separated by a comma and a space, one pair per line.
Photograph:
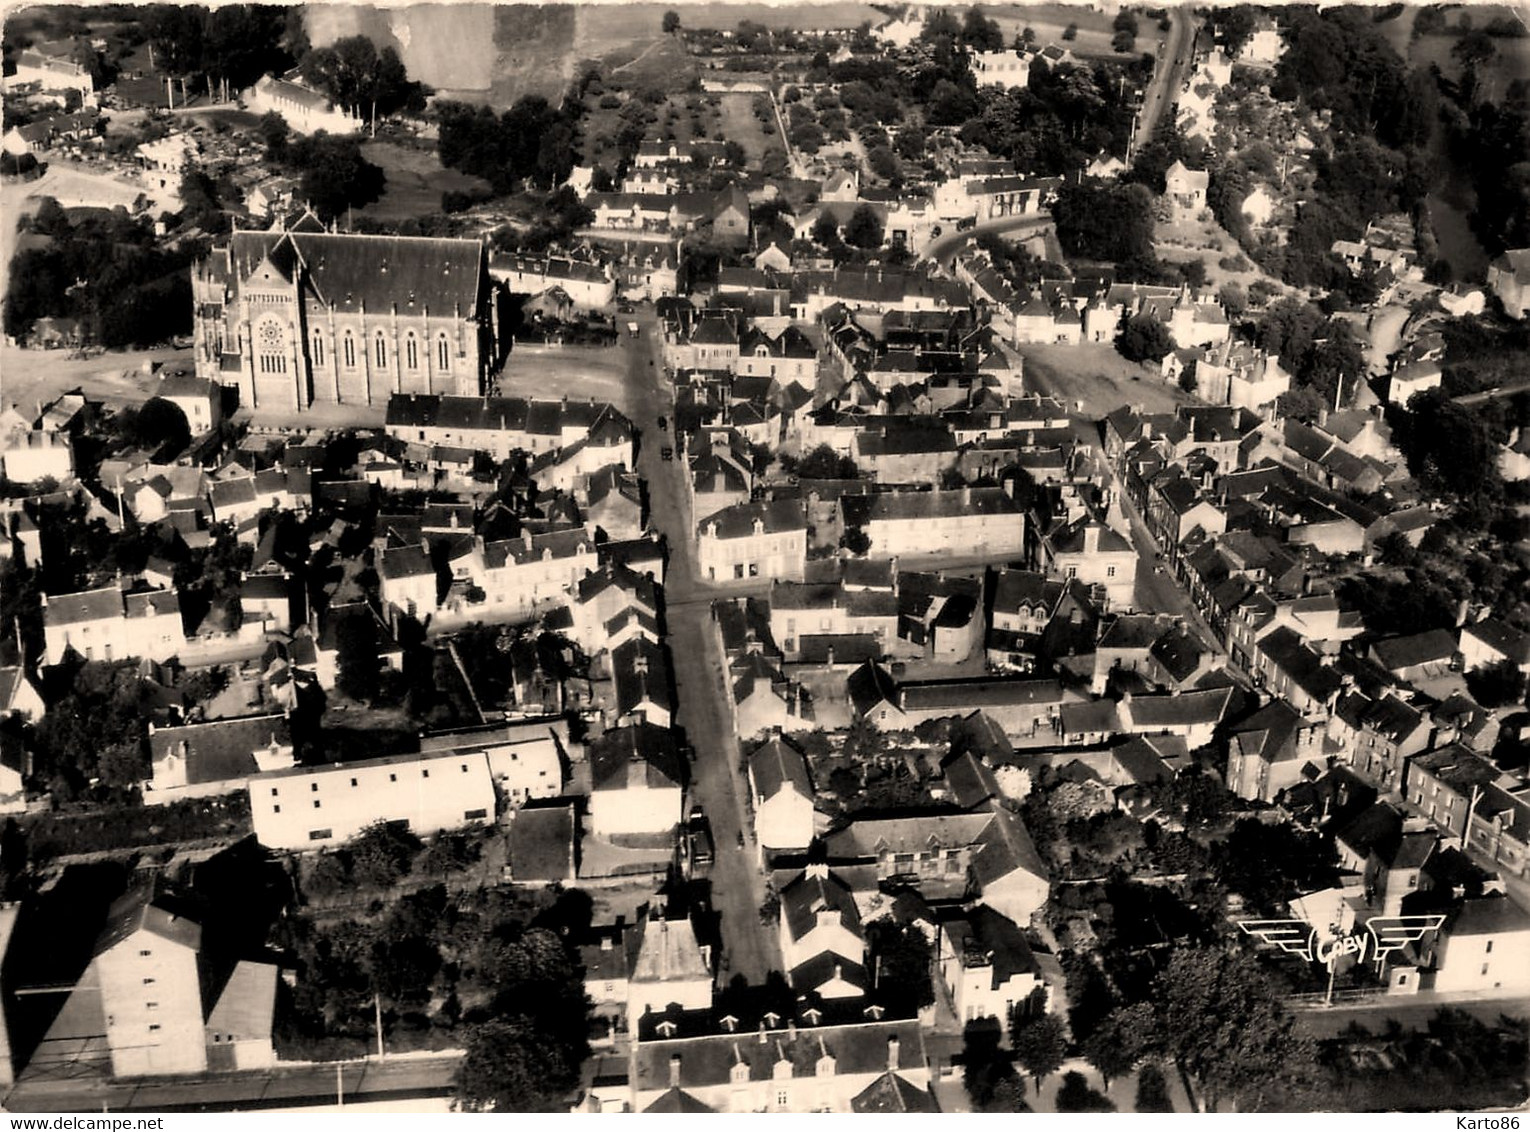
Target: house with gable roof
638, 778
990, 969
108, 624
869, 1066
823, 944
201, 760
782, 797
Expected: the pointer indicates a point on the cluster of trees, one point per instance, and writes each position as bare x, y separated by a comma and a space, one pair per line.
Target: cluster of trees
359, 78
1058, 124
106, 270
489, 970
1109, 224
533, 141
1022, 270
237, 43
1325, 360
93, 732
334, 173
1489, 141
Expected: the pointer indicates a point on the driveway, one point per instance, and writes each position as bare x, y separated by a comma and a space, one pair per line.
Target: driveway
704, 701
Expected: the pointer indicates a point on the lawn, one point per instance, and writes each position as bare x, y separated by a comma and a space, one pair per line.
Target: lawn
739, 124
416, 180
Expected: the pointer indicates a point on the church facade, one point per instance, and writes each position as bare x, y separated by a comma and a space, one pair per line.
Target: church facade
304, 316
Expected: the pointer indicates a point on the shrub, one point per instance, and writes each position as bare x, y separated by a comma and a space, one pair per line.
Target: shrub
1070, 32
609, 101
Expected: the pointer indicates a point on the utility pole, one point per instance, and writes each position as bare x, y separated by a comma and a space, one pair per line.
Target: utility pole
377, 1006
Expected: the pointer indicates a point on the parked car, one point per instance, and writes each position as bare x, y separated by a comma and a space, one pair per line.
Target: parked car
663, 424
666, 453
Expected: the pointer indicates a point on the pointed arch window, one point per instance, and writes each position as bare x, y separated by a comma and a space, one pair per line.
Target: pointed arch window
411, 351
348, 350
380, 352
443, 353
318, 349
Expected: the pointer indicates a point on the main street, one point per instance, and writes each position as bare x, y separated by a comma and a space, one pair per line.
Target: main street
704, 699
1168, 76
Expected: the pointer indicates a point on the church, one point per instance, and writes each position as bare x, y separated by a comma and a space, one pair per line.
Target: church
302, 316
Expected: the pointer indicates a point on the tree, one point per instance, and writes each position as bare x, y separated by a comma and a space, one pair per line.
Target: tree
671, 22
1114, 1045
356, 656
1221, 1019
864, 229
1122, 42
1473, 50
1497, 685
511, 1067
159, 426
335, 175
275, 133
1039, 1043
1070, 33
823, 463
1144, 339
979, 33
856, 541
1152, 1089
327, 876
1076, 1095
382, 853
901, 958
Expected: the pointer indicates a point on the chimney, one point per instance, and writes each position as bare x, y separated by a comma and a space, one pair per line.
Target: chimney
674, 1071
892, 1053
764, 1038
1091, 538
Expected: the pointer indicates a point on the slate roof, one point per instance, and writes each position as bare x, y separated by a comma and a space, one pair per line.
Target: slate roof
1489, 915
351, 272
1432, 647
776, 765
1503, 638
811, 893
708, 1060
89, 605
677, 1100
542, 843
738, 521
642, 754
222, 750
246, 1007
985, 937
144, 907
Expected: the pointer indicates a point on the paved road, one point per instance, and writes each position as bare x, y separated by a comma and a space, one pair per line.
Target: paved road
944, 249
1169, 76
704, 701
1410, 1013
287, 1087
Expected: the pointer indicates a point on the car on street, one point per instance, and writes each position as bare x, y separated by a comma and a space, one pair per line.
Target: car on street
663, 424
666, 453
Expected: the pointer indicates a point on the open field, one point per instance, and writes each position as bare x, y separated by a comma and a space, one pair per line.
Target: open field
803, 17
1511, 62
416, 180
739, 124
30, 376
1049, 21
1100, 378
575, 372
